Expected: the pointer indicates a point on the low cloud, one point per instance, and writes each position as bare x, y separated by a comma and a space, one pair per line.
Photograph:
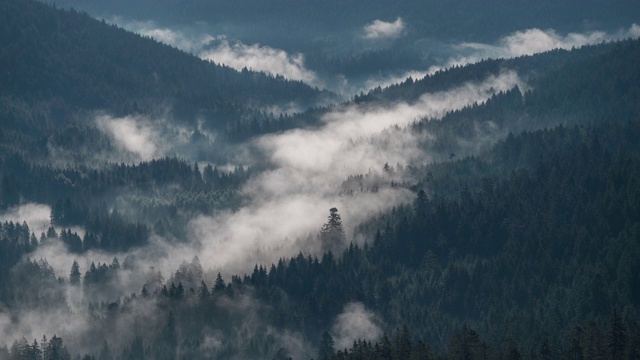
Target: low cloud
355, 323
140, 138
219, 49
183, 40
37, 216
77, 328
159, 253
133, 134
292, 200
33, 324
529, 42
519, 43
379, 29
258, 57
326, 152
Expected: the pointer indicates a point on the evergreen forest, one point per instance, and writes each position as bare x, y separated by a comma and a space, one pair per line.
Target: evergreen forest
156, 203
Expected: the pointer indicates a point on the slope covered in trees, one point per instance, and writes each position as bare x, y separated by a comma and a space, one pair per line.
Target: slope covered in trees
521, 241
525, 261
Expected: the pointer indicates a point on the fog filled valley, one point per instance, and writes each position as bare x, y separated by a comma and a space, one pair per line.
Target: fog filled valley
319, 180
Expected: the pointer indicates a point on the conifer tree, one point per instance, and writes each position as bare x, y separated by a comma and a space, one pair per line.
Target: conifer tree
332, 233
105, 352
74, 276
326, 349
617, 336
219, 285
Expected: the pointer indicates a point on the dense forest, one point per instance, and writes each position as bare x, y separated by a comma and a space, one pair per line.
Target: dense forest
441, 266
152, 205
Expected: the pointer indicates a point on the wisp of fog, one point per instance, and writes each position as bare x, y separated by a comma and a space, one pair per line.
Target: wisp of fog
293, 199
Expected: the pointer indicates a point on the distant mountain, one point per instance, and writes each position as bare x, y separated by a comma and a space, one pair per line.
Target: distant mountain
352, 45
287, 20
549, 78
583, 86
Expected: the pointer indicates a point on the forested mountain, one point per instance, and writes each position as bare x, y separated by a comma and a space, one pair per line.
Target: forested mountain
152, 207
59, 67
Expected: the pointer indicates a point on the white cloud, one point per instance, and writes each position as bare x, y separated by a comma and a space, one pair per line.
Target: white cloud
258, 57
355, 323
379, 29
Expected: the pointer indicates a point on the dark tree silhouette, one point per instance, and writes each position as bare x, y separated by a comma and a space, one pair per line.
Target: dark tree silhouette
332, 233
